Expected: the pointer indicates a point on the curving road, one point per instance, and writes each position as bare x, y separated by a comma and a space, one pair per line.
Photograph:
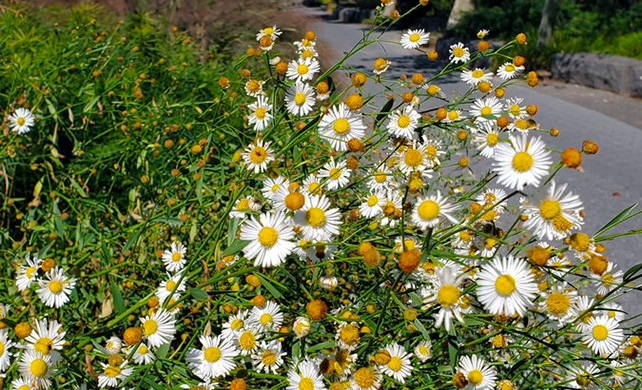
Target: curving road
610, 181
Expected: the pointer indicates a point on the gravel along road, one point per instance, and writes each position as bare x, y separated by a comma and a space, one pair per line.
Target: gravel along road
609, 181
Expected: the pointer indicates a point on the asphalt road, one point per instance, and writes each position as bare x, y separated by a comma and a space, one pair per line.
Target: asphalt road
610, 181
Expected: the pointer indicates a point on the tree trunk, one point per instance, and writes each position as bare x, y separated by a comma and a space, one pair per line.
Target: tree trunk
459, 8
547, 24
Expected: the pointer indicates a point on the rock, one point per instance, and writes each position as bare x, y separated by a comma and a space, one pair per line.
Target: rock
354, 15
612, 73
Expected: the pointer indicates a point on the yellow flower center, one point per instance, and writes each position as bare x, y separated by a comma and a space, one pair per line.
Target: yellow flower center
176, 257
486, 110
55, 286
43, 345
268, 236
335, 174
266, 318
260, 112
1, 348
341, 126
237, 324
510, 68
428, 210
415, 37
364, 377
112, 371
307, 54
395, 364
171, 285
492, 139
459, 52
29, 272
299, 99
380, 64
558, 303
349, 334
24, 387
302, 69
505, 285
306, 384
21, 121
522, 161
315, 188
268, 358
315, 217
143, 349
243, 204
258, 155
39, 368
478, 73
373, 200
475, 377
413, 157
268, 30
403, 121
212, 354
600, 332
150, 327
431, 151
453, 115
498, 341
549, 209
253, 86
380, 177
423, 350
448, 295
247, 340
515, 109
608, 279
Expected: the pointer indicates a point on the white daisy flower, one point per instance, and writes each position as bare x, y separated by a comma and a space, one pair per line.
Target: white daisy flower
336, 174
402, 123
214, 359
581, 377
47, 337
609, 280
173, 287
603, 335
429, 211
392, 210
560, 303
303, 69
339, 125
5, 350
459, 53
515, 109
301, 327
300, 99
21, 121
36, 368
553, 214
381, 65
22, 384
270, 239
174, 258
454, 116
487, 139
481, 34
492, 196
521, 162
306, 377
266, 318
247, 341
271, 187
381, 179
159, 328
412, 158
366, 378
55, 288
244, 206
509, 70
28, 272
413, 39
423, 350
254, 88
143, 354
480, 375
257, 156
234, 325
113, 375
475, 76
317, 219
269, 357
312, 185
260, 116
272, 32
614, 310
486, 109
373, 206
399, 366
506, 286
446, 291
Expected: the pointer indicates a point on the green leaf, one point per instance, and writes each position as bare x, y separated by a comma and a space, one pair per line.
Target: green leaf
78, 188
625, 215
320, 346
630, 274
421, 328
119, 304
161, 352
199, 294
235, 247
269, 286
384, 112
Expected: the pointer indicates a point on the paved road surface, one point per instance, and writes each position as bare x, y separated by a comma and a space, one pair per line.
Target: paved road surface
611, 180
